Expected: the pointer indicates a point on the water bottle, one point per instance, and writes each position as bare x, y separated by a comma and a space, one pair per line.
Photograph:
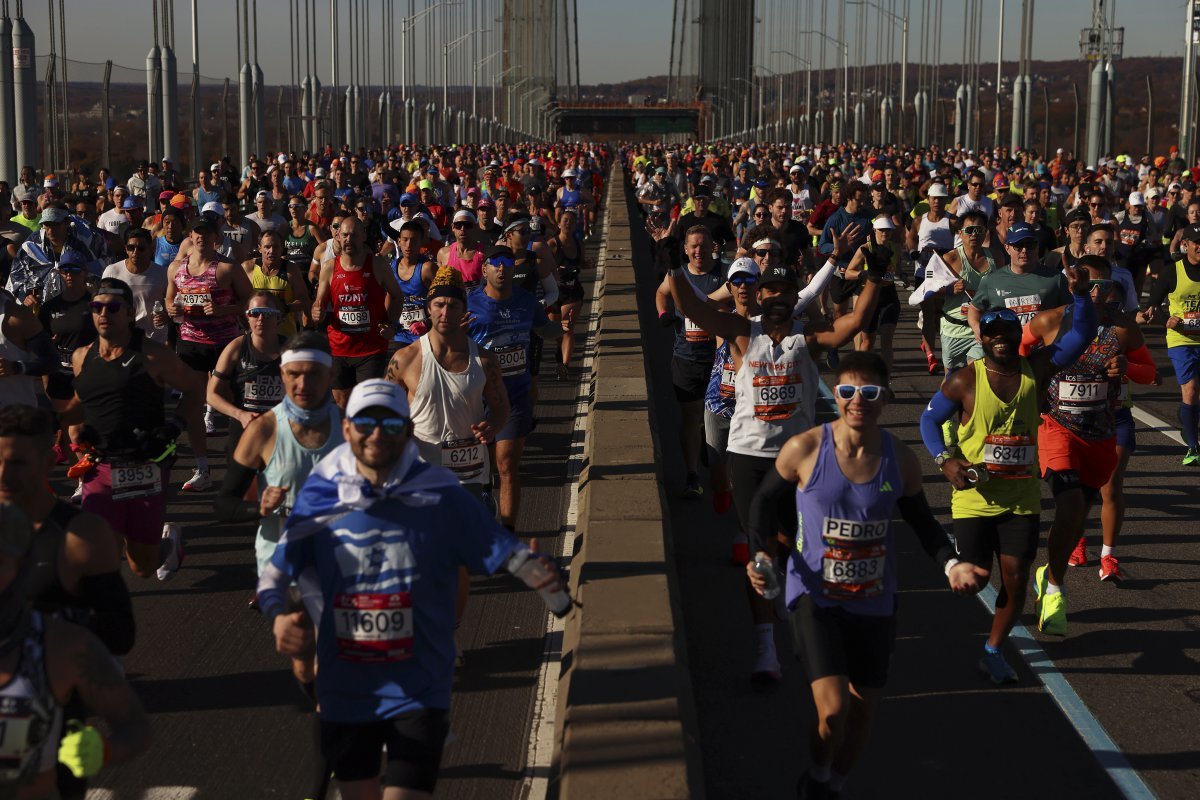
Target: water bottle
766, 569
977, 474
529, 568
156, 309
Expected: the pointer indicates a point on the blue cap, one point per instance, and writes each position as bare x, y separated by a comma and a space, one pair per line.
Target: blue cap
72, 258
1020, 232
407, 199
131, 202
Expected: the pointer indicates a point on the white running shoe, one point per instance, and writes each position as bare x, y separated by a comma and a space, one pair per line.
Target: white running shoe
210, 425
766, 665
201, 481
172, 534
77, 496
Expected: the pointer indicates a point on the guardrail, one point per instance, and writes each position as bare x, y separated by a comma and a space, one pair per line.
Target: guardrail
626, 716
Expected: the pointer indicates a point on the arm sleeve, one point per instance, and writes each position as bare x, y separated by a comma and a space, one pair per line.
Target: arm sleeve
1029, 340
1071, 346
940, 409
1162, 287
112, 611
774, 487
934, 541
1141, 368
814, 288
228, 504
44, 355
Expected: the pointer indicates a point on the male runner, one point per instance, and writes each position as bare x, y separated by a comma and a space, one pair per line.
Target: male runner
1020, 286
846, 480
147, 280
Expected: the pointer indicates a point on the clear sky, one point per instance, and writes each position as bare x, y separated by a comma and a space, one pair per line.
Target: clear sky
620, 39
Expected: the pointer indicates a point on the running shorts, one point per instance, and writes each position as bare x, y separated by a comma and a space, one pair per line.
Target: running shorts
349, 371
198, 356
958, 352
884, 315
138, 519
520, 418
1186, 360
1126, 432
832, 641
414, 743
690, 379
746, 473
979, 540
1060, 451
716, 437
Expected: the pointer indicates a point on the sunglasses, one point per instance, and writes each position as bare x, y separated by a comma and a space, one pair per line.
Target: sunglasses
760, 215
1103, 284
463, 226
1028, 244
973, 230
392, 426
975, 185
522, 231
101, 307
1095, 205
870, 392
1002, 315
70, 270
743, 280
262, 311
295, 205
501, 262
763, 253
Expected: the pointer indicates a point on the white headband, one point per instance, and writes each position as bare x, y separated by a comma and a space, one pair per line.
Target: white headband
306, 354
765, 243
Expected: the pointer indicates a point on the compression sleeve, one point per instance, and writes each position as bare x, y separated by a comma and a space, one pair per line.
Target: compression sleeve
44, 355
934, 541
229, 504
817, 285
1083, 330
771, 491
940, 409
550, 286
1141, 368
1162, 287
1028, 341
107, 597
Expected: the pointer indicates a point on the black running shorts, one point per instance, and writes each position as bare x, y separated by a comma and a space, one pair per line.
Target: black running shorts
414, 748
833, 641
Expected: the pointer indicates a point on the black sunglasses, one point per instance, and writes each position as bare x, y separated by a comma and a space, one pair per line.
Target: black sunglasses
110, 306
392, 426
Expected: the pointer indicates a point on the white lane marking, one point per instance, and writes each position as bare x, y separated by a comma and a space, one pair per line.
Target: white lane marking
542, 731
1156, 424
1095, 737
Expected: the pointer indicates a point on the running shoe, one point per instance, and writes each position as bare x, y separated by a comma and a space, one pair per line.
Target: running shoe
1079, 557
60, 455
693, 487
172, 534
766, 666
201, 481
996, 668
562, 372
1191, 458
77, 495
210, 424
1110, 569
1051, 608
722, 501
933, 362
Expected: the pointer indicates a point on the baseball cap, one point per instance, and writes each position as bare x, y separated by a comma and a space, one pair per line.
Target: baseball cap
22, 194
779, 274
72, 258
1020, 233
54, 214
938, 190
321, 173
1153, 192
181, 201
131, 203
425, 185
407, 199
165, 194
569, 172
463, 215
660, 171
378, 393
50, 182
1137, 199
795, 168
214, 167
262, 195
744, 265
1191, 233
16, 531
213, 207
1078, 215
882, 223
203, 222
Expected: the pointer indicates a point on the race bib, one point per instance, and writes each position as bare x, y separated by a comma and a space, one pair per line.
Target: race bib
464, 457
265, 391
1025, 307
16, 722
512, 360
354, 319
1190, 321
728, 377
193, 302
855, 556
373, 628
693, 332
135, 480
1078, 395
411, 314
1007, 456
775, 396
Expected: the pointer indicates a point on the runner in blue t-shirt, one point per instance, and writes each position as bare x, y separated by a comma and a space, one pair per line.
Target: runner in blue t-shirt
374, 542
502, 318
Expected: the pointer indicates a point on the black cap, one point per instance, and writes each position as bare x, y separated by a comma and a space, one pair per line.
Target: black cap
203, 222
1077, 215
879, 186
1011, 199
1191, 233
499, 251
779, 274
703, 191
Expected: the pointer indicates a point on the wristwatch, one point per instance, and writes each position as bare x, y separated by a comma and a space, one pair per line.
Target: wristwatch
942, 458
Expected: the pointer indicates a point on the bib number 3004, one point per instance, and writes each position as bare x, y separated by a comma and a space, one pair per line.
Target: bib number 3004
374, 628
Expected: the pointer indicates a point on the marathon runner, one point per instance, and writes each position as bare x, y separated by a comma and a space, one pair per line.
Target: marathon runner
568, 254
44, 663
1020, 286
932, 234
245, 382
534, 271
414, 271
283, 279
381, 534
464, 254
147, 280
128, 443
846, 480
26, 353
884, 254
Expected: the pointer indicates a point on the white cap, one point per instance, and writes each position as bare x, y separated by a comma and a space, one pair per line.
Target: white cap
1137, 199
882, 223
381, 393
281, 158
214, 207
1174, 186
796, 168
214, 167
262, 194
1153, 192
462, 214
1058, 151
320, 173
938, 190
744, 264
570, 172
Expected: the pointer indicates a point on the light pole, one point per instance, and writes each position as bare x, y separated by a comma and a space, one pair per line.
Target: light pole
526, 113
903, 49
746, 105
475, 79
778, 100
807, 81
446, 48
496, 78
508, 107
406, 26
845, 69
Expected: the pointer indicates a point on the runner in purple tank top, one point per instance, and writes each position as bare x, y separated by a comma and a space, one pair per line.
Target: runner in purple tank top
848, 478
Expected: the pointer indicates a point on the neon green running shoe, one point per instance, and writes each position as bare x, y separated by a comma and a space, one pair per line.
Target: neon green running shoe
1051, 608
1191, 458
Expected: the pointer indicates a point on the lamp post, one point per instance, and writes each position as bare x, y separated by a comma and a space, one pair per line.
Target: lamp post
845, 69
446, 48
406, 26
807, 80
508, 107
496, 78
903, 21
778, 100
475, 78
746, 105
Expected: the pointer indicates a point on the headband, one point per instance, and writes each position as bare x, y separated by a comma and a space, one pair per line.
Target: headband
771, 243
306, 354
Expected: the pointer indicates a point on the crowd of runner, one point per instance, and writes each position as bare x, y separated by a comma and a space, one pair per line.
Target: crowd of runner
365, 330
1029, 278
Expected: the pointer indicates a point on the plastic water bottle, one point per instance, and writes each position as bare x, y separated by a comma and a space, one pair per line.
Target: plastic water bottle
767, 570
156, 309
529, 568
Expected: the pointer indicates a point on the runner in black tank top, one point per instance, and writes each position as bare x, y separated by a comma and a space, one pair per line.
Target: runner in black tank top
119, 397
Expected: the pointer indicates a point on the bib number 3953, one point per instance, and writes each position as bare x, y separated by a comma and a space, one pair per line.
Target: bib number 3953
373, 628
135, 480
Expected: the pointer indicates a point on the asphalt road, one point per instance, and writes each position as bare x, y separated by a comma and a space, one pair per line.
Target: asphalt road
942, 729
228, 718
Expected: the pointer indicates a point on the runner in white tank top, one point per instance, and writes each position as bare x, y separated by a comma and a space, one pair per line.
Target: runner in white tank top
776, 390
444, 406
